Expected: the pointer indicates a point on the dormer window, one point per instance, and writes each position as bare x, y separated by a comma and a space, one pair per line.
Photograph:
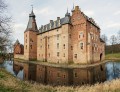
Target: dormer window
59, 22
51, 21
50, 25
54, 24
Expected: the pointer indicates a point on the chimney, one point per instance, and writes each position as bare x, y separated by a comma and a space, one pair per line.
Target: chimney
77, 8
51, 21
58, 18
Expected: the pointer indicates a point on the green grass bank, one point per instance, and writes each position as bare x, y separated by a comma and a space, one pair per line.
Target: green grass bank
112, 56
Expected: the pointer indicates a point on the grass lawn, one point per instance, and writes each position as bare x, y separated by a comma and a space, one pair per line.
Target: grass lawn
114, 56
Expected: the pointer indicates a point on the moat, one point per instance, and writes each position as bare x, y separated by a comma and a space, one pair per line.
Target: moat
63, 76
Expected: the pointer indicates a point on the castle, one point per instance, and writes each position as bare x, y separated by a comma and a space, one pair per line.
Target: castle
74, 38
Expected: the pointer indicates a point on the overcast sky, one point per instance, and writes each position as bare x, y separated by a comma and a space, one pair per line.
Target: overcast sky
106, 13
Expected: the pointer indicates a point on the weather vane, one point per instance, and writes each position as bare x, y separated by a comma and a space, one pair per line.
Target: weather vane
32, 7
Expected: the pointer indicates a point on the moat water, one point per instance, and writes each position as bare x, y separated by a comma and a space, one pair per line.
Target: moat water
63, 76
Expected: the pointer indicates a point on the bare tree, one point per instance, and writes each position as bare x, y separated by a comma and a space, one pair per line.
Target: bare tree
104, 38
113, 41
5, 28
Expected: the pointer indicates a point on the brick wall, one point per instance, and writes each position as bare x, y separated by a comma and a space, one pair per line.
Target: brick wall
53, 42
30, 45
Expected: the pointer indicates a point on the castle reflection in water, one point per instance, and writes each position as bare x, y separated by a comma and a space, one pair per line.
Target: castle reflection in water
61, 76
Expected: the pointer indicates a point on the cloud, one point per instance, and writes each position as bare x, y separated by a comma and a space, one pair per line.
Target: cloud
117, 13
45, 11
18, 31
19, 27
89, 13
113, 25
106, 16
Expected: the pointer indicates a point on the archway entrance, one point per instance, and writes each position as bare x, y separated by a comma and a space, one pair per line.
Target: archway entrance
101, 56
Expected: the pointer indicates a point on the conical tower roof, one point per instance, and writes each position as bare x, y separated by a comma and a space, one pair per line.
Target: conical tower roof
32, 25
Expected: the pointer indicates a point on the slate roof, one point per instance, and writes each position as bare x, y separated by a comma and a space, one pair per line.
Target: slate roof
17, 42
65, 20
56, 24
32, 26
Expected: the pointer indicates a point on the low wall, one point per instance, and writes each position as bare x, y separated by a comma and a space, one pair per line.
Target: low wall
19, 56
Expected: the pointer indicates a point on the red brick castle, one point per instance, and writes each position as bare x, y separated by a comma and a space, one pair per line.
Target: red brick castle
75, 38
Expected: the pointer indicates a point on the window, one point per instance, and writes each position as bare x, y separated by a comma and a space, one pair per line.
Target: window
58, 61
48, 39
26, 40
31, 46
57, 30
64, 55
49, 54
73, 20
64, 46
63, 76
26, 46
31, 40
57, 45
75, 55
48, 46
81, 45
75, 74
25, 75
69, 35
71, 47
78, 17
58, 54
101, 68
57, 37
58, 74
96, 37
91, 36
81, 35
91, 26
49, 72
26, 35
